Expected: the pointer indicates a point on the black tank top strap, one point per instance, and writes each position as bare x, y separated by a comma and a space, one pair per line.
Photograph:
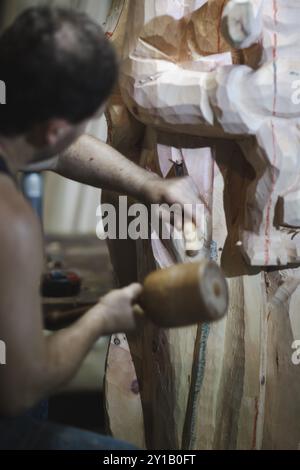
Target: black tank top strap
4, 169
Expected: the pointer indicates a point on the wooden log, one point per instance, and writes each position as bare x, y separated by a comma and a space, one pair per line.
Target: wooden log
123, 407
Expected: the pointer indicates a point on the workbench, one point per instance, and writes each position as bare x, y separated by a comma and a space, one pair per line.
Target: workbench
87, 256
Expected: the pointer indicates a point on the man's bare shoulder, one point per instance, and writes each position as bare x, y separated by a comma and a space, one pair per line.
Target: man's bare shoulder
20, 232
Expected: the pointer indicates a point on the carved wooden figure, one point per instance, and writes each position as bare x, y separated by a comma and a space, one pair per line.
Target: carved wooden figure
195, 99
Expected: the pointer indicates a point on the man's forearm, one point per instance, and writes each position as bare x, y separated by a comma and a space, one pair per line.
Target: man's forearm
67, 348
51, 362
92, 162
55, 363
64, 354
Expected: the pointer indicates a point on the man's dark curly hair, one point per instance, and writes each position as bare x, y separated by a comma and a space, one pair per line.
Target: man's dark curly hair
56, 63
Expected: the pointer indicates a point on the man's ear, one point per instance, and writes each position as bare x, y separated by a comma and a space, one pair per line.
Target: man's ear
49, 133
56, 130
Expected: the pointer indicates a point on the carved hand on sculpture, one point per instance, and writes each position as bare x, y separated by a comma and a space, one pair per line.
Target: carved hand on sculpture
242, 22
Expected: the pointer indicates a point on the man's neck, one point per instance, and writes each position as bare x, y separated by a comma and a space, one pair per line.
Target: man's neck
16, 152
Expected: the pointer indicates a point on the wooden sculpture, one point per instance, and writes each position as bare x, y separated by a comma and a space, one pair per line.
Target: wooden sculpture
194, 99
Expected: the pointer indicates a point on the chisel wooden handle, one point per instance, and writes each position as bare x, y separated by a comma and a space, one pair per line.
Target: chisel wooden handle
191, 239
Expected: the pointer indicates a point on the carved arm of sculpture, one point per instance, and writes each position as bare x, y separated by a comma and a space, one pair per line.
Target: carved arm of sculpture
182, 96
188, 95
165, 94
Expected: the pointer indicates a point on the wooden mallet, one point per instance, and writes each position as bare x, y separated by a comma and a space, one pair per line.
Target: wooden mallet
184, 294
